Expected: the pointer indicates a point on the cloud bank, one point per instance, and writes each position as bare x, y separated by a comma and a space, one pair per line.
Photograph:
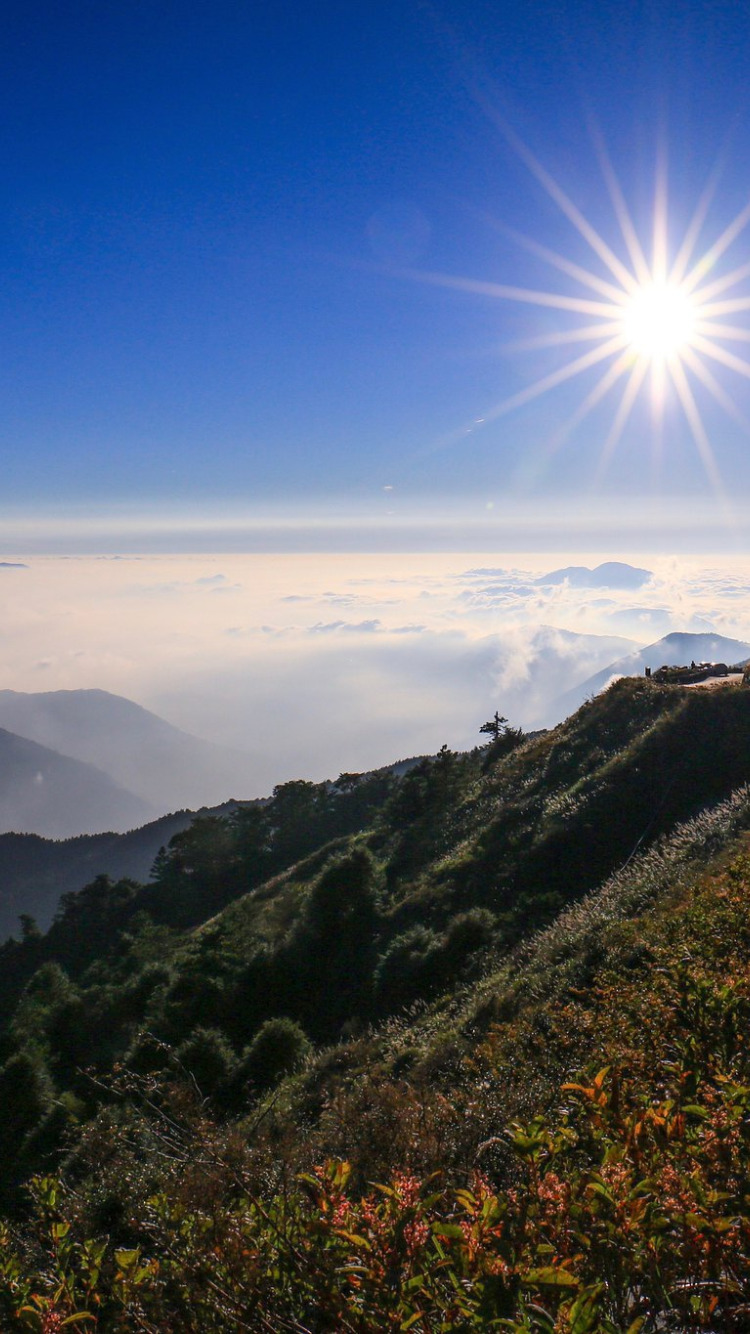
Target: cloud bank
321, 664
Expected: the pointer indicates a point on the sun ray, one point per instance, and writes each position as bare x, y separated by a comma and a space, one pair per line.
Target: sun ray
586, 333
566, 206
629, 234
602, 387
567, 266
627, 402
731, 332
527, 295
729, 307
694, 228
720, 354
566, 372
659, 261
658, 378
717, 392
714, 252
695, 422
702, 294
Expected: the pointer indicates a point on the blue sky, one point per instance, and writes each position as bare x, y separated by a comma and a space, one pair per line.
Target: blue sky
210, 214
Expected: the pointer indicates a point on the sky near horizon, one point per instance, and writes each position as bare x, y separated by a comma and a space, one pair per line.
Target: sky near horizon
232, 245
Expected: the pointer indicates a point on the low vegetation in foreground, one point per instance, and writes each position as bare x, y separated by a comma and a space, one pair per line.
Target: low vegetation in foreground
464, 1049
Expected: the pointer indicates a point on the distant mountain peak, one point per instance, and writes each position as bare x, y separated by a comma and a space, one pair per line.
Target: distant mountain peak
696, 643
610, 574
687, 637
676, 649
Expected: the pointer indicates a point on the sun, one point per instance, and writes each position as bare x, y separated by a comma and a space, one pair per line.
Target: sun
659, 320
646, 317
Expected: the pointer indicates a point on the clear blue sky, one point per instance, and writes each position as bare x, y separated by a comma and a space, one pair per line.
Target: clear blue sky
209, 208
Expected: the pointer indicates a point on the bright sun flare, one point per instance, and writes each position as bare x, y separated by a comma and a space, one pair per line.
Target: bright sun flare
659, 320
650, 318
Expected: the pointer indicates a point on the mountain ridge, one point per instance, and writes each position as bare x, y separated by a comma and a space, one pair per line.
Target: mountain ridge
610, 574
35, 872
675, 649
166, 767
44, 791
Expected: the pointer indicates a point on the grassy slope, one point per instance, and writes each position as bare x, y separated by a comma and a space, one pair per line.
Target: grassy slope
597, 1078
544, 825
499, 1048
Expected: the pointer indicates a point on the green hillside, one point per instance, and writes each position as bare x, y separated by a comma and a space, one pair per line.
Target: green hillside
511, 987
35, 872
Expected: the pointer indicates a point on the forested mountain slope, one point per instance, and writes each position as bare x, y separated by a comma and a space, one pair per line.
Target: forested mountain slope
434, 956
35, 872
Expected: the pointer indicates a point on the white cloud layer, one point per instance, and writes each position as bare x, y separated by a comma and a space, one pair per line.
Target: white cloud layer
322, 663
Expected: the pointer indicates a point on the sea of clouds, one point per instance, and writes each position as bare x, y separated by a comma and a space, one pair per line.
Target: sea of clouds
321, 663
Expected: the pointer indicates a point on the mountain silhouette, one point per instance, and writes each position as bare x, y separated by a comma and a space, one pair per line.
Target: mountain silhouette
611, 574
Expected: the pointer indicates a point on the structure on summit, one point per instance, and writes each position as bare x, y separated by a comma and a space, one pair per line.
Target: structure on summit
692, 675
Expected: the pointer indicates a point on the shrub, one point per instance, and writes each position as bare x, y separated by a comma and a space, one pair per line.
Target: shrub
279, 1047
208, 1057
404, 972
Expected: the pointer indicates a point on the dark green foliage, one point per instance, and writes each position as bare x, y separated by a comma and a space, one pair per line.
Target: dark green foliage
343, 901
503, 739
193, 879
36, 871
207, 1057
26, 1101
25, 1095
495, 727
29, 928
46, 994
419, 816
426, 789
321, 972
90, 921
194, 998
420, 962
217, 859
147, 1054
468, 933
408, 968
279, 1047
137, 993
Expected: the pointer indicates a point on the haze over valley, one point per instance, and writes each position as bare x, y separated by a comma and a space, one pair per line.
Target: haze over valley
150, 685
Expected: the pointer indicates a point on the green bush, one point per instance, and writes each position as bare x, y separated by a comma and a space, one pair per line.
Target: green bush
407, 969
208, 1057
280, 1046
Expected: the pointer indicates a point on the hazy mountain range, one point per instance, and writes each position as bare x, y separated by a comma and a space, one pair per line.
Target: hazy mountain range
157, 767
56, 795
